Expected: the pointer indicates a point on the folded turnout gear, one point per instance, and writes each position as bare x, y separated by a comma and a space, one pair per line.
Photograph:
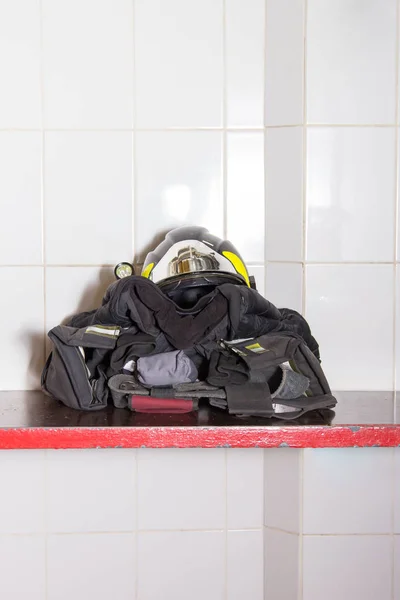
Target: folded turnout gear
201, 332
249, 374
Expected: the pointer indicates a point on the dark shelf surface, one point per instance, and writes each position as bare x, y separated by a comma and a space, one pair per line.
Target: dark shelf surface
32, 420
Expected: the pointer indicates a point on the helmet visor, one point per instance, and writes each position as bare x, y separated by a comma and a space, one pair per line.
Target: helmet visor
190, 256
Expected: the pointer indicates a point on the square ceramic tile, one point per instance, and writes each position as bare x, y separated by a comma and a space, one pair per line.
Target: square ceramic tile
347, 491
22, 339
342, 299
284, 193
284, 285
91, 490
178, 63
245, 194
397, 491
22, 491
282, 491
22, 559
398, 199
88, 197
282, 565
20, 198
175, 485
71, 290
397, 346
181, 563
20, 98
351, 191
245, 565
88, 84
258, 272
100, 566
351, 55
245, 63
179, 182
245, 483
284, 62
397, 567
361, 566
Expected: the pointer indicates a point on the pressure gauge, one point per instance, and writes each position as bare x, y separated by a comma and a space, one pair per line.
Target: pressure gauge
123, 269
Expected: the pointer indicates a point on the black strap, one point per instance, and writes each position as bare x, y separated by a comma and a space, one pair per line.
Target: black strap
162, 392
249, 399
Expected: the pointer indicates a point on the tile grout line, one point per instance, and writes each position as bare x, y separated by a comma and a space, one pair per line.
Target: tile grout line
226, 525
396, 209
42, 184
250, 264
40, 533
136, 543
225, 235
300, 561
304, 165
224, 127
263, 527
133, 256
393, 495
396, 215
191, 129
265, 131
134, 124
45, 520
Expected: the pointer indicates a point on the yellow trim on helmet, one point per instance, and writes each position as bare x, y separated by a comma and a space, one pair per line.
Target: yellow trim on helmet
238, 264
147, 271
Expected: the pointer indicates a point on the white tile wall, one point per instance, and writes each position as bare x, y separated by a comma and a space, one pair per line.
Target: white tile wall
283, 478
179, 182
88, 197
21, 343
347, 567
397, 567
245, 193
284, 193
245, 488
22, 497
100, 565
178, 63
397, 491
244, 47
340, 494
351, 56
22, 559
351, 180
341, 307
20, 68
284, 285
20, 198
245, 565
189, 479
180, 563
92, 490
88, 64
70, 290
282, 565
284, 62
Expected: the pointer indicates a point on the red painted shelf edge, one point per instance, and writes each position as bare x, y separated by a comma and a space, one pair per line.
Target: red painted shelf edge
343, 436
